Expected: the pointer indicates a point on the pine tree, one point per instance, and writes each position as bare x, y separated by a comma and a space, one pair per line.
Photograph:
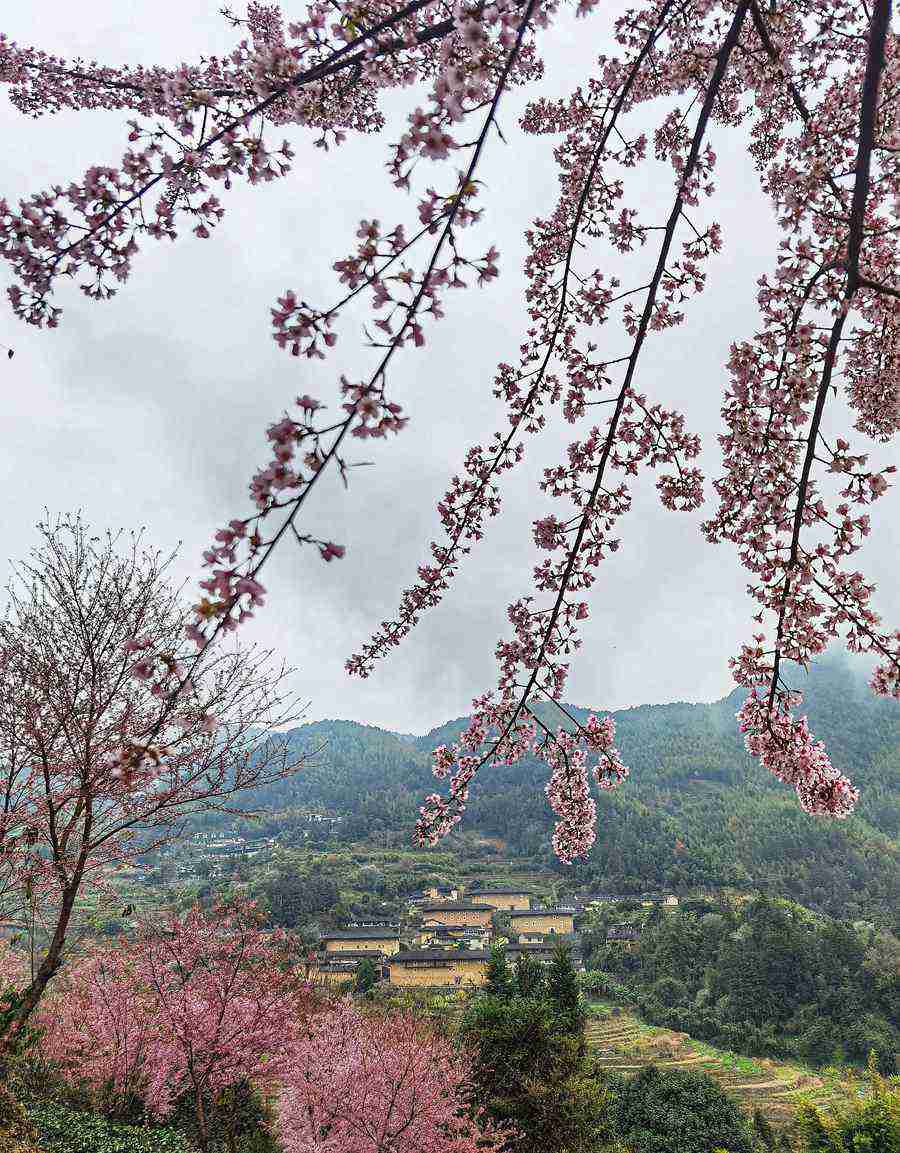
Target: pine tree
529, 976
500, 980
366, 977
563, 990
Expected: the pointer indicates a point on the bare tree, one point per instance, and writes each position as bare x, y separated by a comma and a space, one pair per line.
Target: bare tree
101, 759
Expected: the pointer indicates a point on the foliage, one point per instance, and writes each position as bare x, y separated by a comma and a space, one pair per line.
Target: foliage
868, 1126
564, 992
294, 895
764, 977
678, 1111
499, 979
529, 1067
65, 1130
96, 769
198, 1007
367, 977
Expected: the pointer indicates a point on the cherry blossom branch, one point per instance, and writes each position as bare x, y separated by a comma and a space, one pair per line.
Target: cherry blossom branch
232, 586
340, 59
568, 788
482, 496
875, 61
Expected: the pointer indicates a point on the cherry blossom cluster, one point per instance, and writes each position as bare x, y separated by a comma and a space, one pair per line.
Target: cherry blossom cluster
361, 1083
301, 449
560, 299
194, 1007
794, 501
400, 297
639, 432
201, 1002
502, 731
233, 590
568, 789
204, 125
786, 748
765, 507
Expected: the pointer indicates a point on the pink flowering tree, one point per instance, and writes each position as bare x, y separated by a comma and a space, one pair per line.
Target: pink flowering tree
813, 84
378, 1084
195, 1006
98, 767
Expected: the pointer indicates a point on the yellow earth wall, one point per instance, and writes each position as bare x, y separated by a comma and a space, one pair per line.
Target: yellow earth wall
387, 947
452, 973
507, 901
458, 917
538, 923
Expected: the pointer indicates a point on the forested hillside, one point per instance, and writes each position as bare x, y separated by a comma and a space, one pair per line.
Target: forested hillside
759, 976
695, 810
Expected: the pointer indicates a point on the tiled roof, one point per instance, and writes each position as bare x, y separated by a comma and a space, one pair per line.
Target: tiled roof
454, 907
449, 955
361, 934
500, 890
541, 913
350, 955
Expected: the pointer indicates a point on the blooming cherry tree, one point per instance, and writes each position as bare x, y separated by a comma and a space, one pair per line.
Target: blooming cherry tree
379, 1084
816, 86
196, 1005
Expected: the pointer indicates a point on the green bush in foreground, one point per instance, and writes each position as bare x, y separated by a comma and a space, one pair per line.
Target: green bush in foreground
871, 1125
676, 1111
64, 1130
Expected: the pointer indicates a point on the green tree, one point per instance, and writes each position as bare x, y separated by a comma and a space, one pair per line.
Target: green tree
499, 980
676, 1111
367, 977
295, 894
529, 976
530, 1073
563, 990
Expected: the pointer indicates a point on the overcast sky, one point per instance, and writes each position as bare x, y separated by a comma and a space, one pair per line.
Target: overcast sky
151, 409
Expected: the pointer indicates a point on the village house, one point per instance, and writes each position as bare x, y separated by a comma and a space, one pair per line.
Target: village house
457, 913
433, 894
604, 899
438, 968
450, 936
627, 936
501, 897
667, 900
381, 941
542, 921
543, 950
336, 968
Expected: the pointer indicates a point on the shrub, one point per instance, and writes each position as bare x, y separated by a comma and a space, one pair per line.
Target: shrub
676, 1111
64, 1130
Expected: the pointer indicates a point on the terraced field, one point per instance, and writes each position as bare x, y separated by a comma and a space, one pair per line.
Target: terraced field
622, 1042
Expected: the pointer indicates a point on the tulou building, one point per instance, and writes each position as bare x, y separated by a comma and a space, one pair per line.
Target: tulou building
503, 897
452, 936
538, 923
433, 968
457, 913
382, 941
338, 967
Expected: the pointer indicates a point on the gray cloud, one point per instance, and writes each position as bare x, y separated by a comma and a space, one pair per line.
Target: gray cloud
151, 409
